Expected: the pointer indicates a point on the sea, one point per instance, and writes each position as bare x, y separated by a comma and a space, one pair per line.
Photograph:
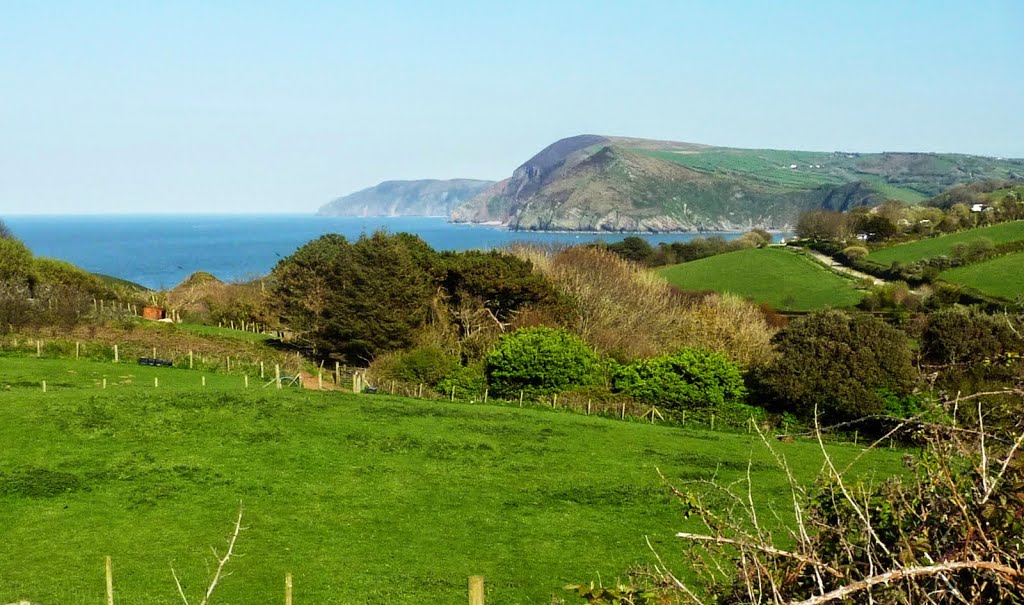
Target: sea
159, 251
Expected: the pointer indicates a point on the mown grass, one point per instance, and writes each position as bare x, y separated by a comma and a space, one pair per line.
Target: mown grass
937, 246
366, 499
780, 277
1001, 277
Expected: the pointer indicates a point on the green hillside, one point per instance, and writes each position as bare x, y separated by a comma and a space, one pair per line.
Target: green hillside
1001, 277
366, 499
943, 245
591, 182
780, 277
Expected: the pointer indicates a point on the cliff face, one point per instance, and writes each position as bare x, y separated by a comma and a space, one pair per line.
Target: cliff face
406, 198
597, 183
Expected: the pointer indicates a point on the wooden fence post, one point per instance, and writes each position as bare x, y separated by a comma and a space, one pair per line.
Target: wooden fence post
154, 352
520, 399
117, 357
554, 400
78, 348
486, 391
476, 590
190, 359
261, 370
39, 348
623, 416
110, 581
337, 373
320, 381
288, 589
277, 374
588, 407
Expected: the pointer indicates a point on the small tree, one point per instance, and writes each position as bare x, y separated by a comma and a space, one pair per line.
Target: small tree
540, 361
842, 365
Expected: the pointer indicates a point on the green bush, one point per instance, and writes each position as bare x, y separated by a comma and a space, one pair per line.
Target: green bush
540, 361
836, 365
467, 381
689, 379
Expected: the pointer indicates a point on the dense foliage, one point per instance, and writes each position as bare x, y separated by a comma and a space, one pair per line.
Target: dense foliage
842, 366
540, 361
689, 379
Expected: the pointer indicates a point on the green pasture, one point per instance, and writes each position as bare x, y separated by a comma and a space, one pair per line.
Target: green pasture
1002, 233
780, 277
364, 499
1001, 277
222, 332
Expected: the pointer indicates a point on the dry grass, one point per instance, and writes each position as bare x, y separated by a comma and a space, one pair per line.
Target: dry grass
627, 311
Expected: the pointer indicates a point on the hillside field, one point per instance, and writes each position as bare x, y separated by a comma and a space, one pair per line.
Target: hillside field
937, 246
1001, 277
367, 499
780, 277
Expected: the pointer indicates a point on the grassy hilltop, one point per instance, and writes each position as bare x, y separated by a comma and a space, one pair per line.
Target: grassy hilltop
592, 182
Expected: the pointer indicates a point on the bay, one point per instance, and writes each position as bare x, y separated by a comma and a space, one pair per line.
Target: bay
159, 251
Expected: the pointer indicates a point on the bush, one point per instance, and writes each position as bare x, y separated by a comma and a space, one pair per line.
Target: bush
855, 252
838, 364
689, 379
466, 380
427, 365
540, 361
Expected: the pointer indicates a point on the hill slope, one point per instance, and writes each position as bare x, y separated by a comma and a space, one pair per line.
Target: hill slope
366, 499
406, 198
598, 183
780, 277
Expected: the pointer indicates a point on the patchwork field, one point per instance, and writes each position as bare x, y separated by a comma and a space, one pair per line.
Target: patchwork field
782, 278
366, 499
1001, 277
928, 248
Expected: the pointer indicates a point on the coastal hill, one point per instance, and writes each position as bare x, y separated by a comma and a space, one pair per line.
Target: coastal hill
406, 198
600, 183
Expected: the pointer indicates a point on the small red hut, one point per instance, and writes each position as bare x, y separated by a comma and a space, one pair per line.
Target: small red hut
154, 313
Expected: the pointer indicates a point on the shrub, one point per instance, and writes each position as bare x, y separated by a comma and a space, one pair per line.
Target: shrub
689, 379
467, 380
838, 364
427, 365
540, 361
855, 252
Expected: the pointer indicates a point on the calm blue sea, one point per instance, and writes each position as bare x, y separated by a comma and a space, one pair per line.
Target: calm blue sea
160, 251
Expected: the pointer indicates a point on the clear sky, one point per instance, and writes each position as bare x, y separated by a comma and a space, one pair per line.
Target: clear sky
217, 106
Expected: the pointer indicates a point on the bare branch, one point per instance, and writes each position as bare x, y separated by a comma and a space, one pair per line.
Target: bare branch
910, 572
771, 550
178, 583
225, 558
1002, 471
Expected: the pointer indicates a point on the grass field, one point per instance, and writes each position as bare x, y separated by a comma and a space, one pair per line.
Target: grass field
366, 499
1001, 277
779, 277
943, 245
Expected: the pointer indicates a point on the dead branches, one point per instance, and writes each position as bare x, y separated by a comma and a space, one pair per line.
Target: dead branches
221, 562
950, 534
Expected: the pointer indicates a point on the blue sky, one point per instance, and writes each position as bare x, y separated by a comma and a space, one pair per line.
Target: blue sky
280, 107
